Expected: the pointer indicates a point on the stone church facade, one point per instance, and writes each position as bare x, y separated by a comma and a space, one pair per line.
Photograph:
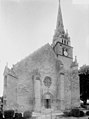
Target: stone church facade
45, 80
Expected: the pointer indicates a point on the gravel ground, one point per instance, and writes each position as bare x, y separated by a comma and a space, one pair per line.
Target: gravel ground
85, 117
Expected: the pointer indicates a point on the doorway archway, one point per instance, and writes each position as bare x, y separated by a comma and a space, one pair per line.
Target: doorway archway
47, 100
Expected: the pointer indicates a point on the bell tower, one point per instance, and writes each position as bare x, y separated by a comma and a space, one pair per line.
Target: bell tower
61, 40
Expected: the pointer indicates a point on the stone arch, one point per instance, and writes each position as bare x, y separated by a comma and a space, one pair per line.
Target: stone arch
47, 95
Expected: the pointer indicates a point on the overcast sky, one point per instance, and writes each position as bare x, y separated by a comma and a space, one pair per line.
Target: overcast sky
26, 25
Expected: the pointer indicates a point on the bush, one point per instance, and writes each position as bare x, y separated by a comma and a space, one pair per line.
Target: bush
27, 114
74, 112
18, 115
8, 113
77, 113
87, 113
81, 114
67, 114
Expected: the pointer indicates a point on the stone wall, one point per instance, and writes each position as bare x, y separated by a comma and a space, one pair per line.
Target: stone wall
25, 97
75, 89
11, 93
41, 63
67, 93
66, 62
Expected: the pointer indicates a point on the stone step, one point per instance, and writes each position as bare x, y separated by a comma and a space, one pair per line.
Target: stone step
46, 117
35, 114
46, 111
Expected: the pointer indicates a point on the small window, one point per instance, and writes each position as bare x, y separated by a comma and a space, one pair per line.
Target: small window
64, 41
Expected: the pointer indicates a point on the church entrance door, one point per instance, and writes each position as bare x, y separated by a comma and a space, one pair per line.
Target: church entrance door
47, 100
47, 103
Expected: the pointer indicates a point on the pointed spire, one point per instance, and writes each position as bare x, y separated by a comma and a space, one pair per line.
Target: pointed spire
59, 27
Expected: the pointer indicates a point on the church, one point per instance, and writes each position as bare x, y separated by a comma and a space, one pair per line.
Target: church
46, 80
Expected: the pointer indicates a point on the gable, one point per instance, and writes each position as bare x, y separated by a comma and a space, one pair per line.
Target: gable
43, 56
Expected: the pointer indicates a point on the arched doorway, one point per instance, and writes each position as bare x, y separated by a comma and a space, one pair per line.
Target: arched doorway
47, 100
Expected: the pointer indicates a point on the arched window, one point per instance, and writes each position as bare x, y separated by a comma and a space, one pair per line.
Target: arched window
64, 41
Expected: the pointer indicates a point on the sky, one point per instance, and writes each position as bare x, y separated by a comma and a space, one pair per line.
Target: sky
26, 25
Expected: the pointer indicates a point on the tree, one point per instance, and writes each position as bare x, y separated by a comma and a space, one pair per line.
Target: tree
1, 104
84, 83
